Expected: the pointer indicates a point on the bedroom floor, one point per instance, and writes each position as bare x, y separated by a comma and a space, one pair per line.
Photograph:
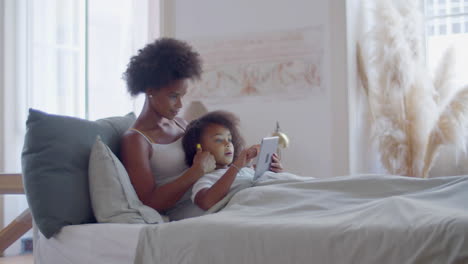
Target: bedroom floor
24, 259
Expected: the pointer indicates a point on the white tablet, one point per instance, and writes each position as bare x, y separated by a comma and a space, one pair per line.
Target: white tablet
267, 148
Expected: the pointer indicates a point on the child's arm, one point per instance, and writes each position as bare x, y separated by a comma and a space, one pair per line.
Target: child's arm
207, 197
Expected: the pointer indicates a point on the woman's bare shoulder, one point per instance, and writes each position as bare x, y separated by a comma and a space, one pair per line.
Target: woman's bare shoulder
181, 121
133, 141
131, 136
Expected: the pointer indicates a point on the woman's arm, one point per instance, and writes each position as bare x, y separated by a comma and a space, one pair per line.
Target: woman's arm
208, 197
136, 154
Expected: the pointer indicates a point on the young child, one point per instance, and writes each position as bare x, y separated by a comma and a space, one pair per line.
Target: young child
217, 132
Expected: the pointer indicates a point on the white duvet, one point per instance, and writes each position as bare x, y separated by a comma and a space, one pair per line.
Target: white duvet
353, 219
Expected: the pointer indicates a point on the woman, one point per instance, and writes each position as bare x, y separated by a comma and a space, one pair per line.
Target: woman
151, 150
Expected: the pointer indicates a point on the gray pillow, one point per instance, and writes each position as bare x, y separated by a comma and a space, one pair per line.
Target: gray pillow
113, 197
55, 166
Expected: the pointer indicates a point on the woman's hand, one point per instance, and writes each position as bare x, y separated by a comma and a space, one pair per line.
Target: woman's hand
276, 165
204, 160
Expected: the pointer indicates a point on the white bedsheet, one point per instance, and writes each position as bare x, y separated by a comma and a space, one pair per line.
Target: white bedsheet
358, 219
88, 244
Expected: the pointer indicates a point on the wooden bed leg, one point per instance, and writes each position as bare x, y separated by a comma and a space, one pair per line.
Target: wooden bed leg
15, 229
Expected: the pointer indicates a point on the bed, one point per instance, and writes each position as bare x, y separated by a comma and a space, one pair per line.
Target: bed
353, 219
88, 243
283, 219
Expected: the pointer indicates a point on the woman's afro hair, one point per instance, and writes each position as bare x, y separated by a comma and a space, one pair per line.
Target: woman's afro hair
160, 63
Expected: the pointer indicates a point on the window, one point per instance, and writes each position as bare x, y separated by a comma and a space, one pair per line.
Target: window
54, 63
442, 29
445, 30
430, 11
67, 57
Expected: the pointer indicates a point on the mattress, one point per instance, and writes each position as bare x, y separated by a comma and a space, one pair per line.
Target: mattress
88, 243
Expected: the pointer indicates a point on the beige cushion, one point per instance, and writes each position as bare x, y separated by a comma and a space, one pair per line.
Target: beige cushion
113, 197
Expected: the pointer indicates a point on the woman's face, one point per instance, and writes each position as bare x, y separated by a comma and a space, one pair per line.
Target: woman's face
167, 101
217, 140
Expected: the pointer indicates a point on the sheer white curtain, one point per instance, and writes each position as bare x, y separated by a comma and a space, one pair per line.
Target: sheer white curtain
44, 66
65, 57
447, 27
115, 34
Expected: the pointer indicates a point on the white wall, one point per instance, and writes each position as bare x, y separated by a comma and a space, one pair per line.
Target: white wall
317, 126
2, 88
339, 88
2, 85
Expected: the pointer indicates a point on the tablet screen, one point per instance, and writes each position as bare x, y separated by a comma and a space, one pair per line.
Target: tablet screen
267, 148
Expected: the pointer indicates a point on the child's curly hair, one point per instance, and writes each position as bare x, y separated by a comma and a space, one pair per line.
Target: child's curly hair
196, 128
160, 63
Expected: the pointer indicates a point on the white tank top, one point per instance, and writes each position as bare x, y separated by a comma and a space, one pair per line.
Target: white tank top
167, 161
167, 164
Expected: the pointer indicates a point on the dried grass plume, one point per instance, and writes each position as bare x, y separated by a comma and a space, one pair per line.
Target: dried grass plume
413, 114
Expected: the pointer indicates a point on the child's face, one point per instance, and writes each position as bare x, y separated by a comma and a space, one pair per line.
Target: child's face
217, 140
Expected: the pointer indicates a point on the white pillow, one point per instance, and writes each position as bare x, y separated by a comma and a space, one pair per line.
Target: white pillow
113, 197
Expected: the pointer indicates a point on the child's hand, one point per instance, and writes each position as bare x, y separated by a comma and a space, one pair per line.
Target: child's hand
204, 160
253, 151
276, 165
246, 156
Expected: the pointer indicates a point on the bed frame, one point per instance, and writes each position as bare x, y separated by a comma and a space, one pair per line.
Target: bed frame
12, 183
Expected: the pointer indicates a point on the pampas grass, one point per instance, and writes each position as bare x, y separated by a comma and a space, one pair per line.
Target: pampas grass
413, 115
451, 127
